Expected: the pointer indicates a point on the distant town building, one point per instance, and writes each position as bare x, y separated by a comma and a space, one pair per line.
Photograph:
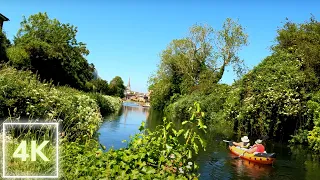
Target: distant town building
2, 19
135, 96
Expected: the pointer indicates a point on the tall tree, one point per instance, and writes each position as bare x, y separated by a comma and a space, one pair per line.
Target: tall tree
4, 44
54, 51
197, 60
117, 87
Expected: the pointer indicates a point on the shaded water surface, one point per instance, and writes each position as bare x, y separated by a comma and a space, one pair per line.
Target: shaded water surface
217, 162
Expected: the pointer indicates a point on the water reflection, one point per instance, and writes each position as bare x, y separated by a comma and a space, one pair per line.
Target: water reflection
216, 162
118, 127
244, 168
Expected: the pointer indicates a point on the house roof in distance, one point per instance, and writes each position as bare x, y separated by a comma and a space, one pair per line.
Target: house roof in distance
3, 17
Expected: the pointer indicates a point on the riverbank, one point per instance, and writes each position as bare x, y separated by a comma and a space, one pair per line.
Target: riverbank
279, 97
217, 162
143, 104
77, 112
79, 116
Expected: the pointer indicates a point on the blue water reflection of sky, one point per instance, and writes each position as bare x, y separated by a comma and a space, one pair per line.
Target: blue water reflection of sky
118, 128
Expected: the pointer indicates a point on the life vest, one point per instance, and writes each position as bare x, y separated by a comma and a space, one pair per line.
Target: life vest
260, 148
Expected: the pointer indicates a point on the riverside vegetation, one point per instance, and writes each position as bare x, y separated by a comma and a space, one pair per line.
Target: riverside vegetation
155, 155
71, 95
279, 97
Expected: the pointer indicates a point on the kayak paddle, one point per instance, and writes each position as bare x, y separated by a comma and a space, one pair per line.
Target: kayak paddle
237, 157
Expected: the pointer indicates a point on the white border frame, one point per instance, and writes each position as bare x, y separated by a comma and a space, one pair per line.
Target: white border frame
3, 150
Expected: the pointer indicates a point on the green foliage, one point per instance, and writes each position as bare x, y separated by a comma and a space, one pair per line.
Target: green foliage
82, 161
165, 153
197, 62
277, 103
18, 57
4, 44
161, 92
302, 40
117, 87
24, 96
273, 96
53, 50
313, 136
272, 99
107, 104
213, 105
97, 85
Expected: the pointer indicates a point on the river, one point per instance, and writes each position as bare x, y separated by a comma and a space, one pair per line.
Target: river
293, 163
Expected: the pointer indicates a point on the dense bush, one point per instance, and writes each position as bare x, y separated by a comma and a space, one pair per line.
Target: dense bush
213, 105
4, 43
106, 103
312, 136
26, 97
158, 155
271, 99
18, 58
97, 85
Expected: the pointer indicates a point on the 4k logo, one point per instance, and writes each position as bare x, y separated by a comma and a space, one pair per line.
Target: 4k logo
37, 153
34, 151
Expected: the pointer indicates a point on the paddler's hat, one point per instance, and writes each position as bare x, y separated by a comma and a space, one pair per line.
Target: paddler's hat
259, 141
245, 139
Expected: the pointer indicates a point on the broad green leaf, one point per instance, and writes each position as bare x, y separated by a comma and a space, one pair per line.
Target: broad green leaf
189, 154
151, 170
168, 147
195, 147
185, 122
198, 107
186, 134
180, 132
174, 132
141, 128
168, 125
192, 116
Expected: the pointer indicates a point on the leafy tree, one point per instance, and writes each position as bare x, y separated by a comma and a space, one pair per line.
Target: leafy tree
4, 44
274, 97
117, 87
303, 40
197, 61
53, 50
100, 86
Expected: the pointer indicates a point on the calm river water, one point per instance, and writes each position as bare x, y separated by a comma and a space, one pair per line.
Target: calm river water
217, 162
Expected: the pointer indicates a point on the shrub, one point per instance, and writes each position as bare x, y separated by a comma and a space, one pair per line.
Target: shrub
24, 96
18, 57
160, 154
107, 104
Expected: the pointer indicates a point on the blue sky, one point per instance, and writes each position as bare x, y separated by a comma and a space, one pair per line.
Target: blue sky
125, 38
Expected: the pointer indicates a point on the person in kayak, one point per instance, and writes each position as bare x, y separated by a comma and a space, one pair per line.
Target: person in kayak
257, 148
244, 144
